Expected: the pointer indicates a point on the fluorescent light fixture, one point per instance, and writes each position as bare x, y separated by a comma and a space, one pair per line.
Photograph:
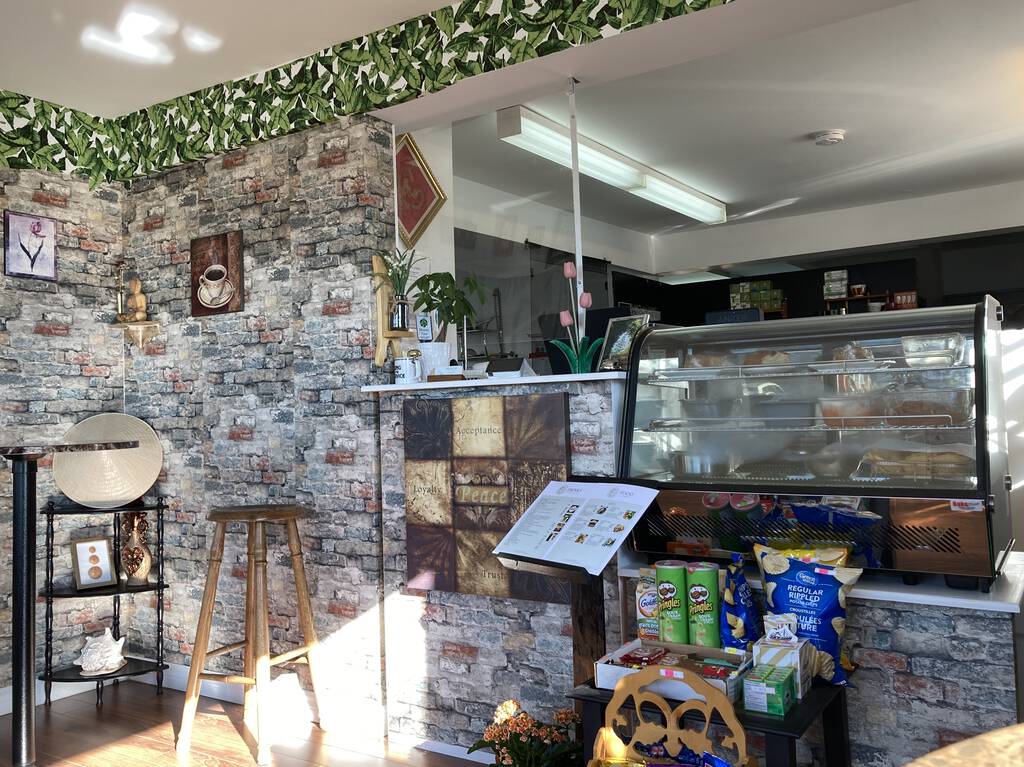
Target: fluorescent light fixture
199, 40
546, 138
134, 37
671, 194
758, 268
690, 278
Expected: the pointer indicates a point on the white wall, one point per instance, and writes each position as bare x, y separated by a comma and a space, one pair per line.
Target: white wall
964, 212
483, 209
438, 241
486, 210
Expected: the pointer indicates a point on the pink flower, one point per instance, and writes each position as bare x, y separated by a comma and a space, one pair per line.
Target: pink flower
569, 270
36, 228
586, 300
565, 317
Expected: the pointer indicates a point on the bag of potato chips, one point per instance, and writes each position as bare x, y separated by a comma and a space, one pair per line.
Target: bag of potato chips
739, 618
816, 594
831, 555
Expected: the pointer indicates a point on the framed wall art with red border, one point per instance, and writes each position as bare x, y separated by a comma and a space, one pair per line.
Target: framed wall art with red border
420, 196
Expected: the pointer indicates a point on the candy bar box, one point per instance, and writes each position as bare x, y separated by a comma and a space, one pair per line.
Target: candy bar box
724, 669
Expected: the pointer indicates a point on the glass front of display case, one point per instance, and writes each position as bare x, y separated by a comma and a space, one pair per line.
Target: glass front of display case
873, 404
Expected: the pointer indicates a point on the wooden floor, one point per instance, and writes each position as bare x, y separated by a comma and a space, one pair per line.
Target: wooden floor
135, 728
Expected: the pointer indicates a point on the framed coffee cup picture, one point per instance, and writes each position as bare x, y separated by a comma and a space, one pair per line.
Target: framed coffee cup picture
218, 274
92, 564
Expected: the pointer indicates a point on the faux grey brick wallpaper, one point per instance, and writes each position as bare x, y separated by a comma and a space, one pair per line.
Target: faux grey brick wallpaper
264, 405
59, 362
451, 658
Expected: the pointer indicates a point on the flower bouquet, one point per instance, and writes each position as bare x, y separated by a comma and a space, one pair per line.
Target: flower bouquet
580, 351
516, 738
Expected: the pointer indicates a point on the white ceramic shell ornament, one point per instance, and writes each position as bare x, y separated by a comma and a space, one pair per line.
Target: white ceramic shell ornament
101, 654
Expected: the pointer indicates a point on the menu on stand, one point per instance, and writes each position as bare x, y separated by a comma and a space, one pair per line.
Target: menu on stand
577, 524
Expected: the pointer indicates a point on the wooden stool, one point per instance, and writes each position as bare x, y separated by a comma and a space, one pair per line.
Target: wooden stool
256, 645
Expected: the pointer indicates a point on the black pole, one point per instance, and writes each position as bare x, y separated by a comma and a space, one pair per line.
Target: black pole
23, 661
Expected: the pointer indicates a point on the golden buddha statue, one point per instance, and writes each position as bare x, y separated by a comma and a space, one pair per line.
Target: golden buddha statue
136, 304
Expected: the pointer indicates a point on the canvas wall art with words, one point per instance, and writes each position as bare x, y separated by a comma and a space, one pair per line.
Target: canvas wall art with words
30, 246
472, 467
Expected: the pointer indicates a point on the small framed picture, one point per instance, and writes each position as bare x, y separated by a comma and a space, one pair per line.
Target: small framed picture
92, 562
619, 340
30, 246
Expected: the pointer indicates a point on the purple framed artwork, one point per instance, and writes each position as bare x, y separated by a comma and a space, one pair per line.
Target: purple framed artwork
30, 246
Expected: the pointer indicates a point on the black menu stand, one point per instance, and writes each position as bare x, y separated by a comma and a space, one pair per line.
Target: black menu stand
24, 462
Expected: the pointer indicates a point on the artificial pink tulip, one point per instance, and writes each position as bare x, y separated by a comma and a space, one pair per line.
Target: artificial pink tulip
586, 300
569, 270
565, 317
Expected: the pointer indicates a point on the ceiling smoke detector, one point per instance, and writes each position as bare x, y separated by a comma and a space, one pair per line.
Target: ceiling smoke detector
829, 137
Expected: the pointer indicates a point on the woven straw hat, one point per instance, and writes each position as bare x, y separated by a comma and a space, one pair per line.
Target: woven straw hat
106, 479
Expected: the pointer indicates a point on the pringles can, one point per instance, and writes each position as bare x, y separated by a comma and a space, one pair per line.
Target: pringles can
703, 604
673, 623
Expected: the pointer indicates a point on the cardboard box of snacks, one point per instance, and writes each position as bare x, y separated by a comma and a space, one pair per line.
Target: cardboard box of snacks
769, 690
801, 657
607, 671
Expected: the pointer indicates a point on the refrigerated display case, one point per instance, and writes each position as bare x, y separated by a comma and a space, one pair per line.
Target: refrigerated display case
883, 432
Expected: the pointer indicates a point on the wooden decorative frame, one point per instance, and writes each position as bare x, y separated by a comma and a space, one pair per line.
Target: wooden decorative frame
420, 196
630, 698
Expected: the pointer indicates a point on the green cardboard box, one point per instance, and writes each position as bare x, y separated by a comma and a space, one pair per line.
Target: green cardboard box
769, 690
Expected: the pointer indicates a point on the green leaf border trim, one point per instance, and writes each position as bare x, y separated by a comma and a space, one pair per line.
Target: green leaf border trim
393, 65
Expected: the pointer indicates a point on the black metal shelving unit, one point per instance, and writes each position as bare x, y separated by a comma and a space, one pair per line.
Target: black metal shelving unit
50, 592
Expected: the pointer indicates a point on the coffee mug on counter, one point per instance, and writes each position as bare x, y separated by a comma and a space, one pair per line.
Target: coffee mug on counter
408, 370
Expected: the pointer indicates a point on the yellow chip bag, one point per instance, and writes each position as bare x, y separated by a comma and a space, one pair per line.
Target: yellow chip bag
835, 556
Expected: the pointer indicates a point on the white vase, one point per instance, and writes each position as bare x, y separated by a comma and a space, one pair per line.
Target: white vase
436, 354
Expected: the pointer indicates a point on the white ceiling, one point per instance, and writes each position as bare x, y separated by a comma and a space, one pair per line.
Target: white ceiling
43, 56
931, 94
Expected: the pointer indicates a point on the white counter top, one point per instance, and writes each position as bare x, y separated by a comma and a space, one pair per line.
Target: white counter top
480, 383
1005, 597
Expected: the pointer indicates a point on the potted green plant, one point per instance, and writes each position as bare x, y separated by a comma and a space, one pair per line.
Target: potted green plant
441, 294
398, 268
